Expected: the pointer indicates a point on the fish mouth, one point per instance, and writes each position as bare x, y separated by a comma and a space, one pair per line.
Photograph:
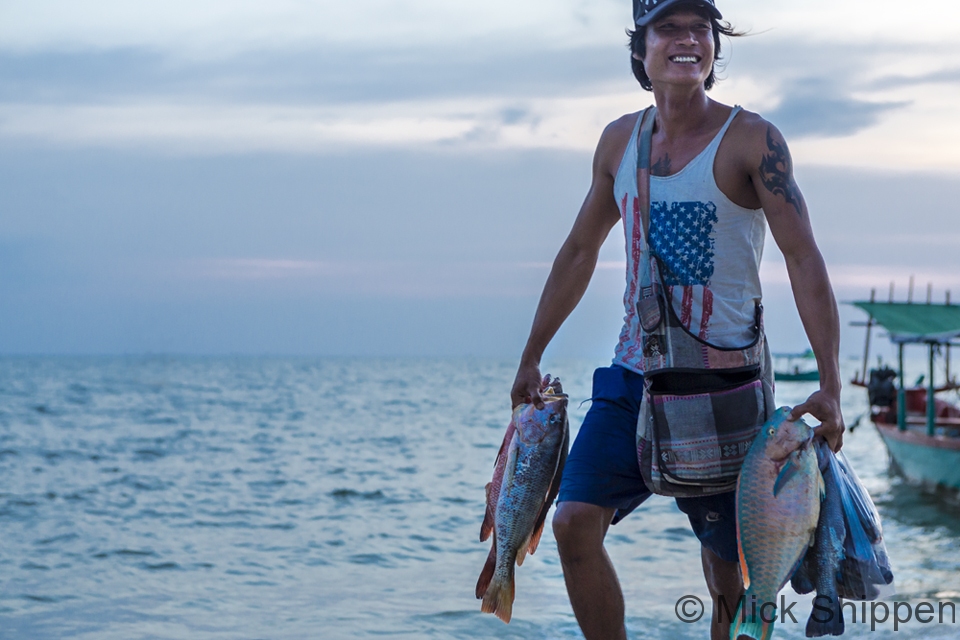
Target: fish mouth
800, 444
556, 403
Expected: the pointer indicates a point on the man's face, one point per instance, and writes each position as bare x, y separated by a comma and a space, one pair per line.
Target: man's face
679, 49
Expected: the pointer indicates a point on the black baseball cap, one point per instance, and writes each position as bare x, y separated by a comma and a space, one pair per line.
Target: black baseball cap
645, 11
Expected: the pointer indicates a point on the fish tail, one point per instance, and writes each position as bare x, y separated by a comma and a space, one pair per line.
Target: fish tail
498, 599
487, 574
825, 620
751, 626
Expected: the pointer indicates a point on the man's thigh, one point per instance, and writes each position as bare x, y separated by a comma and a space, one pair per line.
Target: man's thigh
602, 467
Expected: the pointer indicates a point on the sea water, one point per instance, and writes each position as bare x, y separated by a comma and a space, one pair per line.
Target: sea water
178, 497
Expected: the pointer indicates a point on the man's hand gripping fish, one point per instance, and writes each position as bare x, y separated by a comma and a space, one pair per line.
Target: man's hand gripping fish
525, 483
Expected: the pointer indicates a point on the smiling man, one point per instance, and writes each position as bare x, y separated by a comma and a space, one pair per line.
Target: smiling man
719, 176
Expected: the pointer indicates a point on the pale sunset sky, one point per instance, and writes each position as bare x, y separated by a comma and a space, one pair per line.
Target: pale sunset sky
394, 177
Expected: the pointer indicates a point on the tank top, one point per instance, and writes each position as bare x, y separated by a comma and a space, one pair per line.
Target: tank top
709, 248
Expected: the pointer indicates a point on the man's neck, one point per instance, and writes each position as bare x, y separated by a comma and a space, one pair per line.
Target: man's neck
682, 111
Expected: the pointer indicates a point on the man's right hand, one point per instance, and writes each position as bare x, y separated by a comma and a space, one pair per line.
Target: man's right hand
526, 386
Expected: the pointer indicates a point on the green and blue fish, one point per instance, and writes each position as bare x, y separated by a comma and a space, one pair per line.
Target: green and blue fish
778, 505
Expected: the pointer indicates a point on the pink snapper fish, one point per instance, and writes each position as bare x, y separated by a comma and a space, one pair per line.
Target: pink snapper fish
525, 483
778, 505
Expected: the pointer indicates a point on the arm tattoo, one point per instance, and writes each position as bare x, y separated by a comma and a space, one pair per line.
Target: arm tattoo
661, 167
776, 173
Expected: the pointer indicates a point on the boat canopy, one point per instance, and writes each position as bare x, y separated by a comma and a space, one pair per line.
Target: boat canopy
909, 322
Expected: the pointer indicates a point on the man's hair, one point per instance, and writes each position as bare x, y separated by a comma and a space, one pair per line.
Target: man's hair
638, 46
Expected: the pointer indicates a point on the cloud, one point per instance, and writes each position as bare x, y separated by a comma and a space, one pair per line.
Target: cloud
943, 76
310, 76
497, 91
813, 111
215, 27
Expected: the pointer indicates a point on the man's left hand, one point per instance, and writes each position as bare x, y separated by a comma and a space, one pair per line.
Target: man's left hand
825, 407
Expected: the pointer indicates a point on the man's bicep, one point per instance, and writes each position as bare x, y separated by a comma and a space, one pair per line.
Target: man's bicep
599, 211
772, 173
598, 214
780, 197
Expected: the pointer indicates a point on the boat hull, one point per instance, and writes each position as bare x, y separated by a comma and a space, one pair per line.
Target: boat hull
803, 376
931, 461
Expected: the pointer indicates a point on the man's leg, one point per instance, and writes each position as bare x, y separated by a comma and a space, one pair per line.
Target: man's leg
723, 580
591, 580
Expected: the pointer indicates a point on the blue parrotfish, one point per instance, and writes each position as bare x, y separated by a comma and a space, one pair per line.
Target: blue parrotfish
820, 568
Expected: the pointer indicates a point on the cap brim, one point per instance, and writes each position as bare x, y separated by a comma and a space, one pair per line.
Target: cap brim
659, 10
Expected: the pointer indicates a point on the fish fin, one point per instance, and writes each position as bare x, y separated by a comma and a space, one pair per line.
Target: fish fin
498, 599
487, 573
790, 468
507, 439
551, 495
538, 530
744, 572
802, 578
522, 551
757, 629
825, 620
489, 516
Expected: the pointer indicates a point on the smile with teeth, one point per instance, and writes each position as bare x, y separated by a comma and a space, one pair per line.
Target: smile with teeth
685, 59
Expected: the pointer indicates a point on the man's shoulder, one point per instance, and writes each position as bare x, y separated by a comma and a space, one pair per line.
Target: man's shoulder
613, 142
620, 129
752, 128
748, 139
749, 125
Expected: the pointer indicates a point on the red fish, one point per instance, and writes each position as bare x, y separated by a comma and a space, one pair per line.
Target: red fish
525, 483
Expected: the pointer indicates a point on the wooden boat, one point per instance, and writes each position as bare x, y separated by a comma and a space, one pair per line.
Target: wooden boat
795, 367
921, 431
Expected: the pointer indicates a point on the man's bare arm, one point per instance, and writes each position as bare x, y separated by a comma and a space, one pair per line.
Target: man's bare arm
572, 269
786, 212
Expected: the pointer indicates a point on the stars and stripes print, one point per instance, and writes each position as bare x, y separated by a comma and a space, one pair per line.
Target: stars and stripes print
681, 235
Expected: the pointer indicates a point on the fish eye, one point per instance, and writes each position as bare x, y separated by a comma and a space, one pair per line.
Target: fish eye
771, 431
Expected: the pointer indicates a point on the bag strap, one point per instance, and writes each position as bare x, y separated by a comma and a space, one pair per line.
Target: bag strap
644, 149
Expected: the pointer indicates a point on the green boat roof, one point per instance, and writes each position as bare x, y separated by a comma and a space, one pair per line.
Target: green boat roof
909, 322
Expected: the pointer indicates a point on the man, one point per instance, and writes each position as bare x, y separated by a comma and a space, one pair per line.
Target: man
719, 176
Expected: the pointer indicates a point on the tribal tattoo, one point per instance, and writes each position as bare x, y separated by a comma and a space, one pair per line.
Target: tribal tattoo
776, 173
661, 167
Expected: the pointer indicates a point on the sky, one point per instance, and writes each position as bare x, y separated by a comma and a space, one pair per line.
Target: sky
394, 178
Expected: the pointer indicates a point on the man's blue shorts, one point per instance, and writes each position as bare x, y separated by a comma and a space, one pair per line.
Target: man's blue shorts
602, 468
